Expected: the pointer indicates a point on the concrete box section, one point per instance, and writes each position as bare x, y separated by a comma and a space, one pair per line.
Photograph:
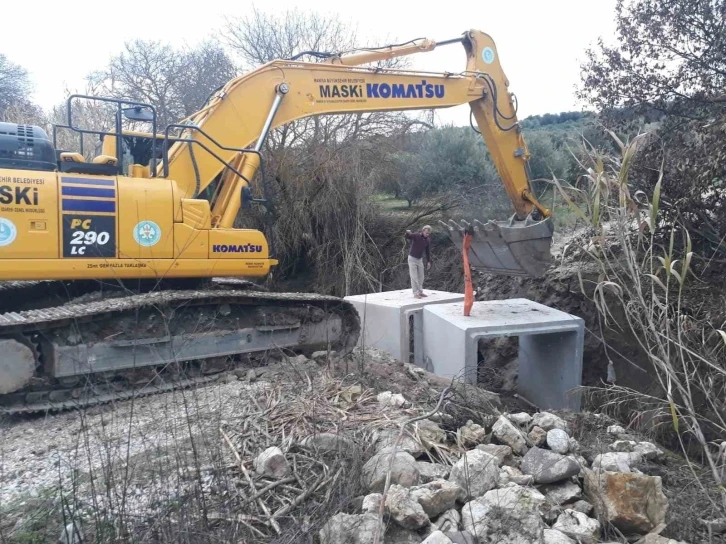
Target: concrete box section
385, 316
550, 346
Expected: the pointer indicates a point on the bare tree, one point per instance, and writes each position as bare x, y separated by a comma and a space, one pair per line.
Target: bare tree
668, 67
15, 105
87, 114
207, 68
14, 83
670, 56
176, 82
259, 38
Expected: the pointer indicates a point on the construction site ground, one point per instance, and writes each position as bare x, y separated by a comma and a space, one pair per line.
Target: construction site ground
183, 466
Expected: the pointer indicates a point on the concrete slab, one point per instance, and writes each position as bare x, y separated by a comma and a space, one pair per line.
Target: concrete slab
385, 320
550, 346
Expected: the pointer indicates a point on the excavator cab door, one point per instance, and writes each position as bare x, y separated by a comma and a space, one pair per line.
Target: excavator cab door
512, 247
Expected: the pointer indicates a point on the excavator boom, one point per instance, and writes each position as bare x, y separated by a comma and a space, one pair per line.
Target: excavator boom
282, 91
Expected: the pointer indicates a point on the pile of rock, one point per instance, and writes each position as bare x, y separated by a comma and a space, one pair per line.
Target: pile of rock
518, 479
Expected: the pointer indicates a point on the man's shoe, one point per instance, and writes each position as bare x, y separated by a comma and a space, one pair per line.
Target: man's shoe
418, 296
423, 295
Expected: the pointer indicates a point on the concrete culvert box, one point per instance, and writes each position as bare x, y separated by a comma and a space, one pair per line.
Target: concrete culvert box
549, 354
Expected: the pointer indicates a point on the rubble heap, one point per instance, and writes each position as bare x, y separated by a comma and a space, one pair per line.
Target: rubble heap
512, 479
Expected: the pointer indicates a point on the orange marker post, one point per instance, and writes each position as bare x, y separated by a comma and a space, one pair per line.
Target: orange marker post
468, 289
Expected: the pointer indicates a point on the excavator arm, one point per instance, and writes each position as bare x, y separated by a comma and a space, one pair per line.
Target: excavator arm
244, 111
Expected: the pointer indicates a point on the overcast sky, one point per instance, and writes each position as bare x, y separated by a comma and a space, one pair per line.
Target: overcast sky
541, 43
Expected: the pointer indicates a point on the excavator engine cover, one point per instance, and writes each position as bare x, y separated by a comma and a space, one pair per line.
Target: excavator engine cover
512, 247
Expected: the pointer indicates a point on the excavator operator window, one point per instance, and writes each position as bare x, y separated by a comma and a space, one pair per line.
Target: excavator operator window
140, 149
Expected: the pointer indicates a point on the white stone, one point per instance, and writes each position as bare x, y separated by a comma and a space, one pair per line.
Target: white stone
581, 462
515, 475
617, 461
582, 506
548, 421
623, 445
429, 433
538, 436
387, 438
475, 473
436, 497
510, 435
556, 537
272, 463
429, 472
300, 360
509, 515
403, 471
387, 399
17, 366
615, 429
350, 529
372, 503
716, 526
328, 442
558, 441
503, 453
562, 492
578, 526
437, 537
657, 539
448, 521
472, 434
522, 419
405, 509
648, 450
322, 355
547, 466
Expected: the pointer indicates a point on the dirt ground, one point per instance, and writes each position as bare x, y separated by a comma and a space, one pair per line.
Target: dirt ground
157, 468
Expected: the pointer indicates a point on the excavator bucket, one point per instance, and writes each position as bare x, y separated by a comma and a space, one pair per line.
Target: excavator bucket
511, 248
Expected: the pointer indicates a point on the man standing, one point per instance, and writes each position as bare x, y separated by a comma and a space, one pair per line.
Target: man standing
420, 243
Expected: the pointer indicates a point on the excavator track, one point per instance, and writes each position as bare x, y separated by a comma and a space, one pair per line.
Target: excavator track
138, 345
29, 295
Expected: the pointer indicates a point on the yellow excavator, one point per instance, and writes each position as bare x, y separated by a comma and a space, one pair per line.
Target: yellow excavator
160, 206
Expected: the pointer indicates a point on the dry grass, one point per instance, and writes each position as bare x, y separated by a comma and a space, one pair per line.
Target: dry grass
178, 467
327, 226
645, 268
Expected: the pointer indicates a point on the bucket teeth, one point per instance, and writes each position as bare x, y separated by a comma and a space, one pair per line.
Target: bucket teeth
512, 247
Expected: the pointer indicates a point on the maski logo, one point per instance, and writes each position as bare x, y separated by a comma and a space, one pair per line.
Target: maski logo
341, 91
18, 195
233, 248
384, 90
